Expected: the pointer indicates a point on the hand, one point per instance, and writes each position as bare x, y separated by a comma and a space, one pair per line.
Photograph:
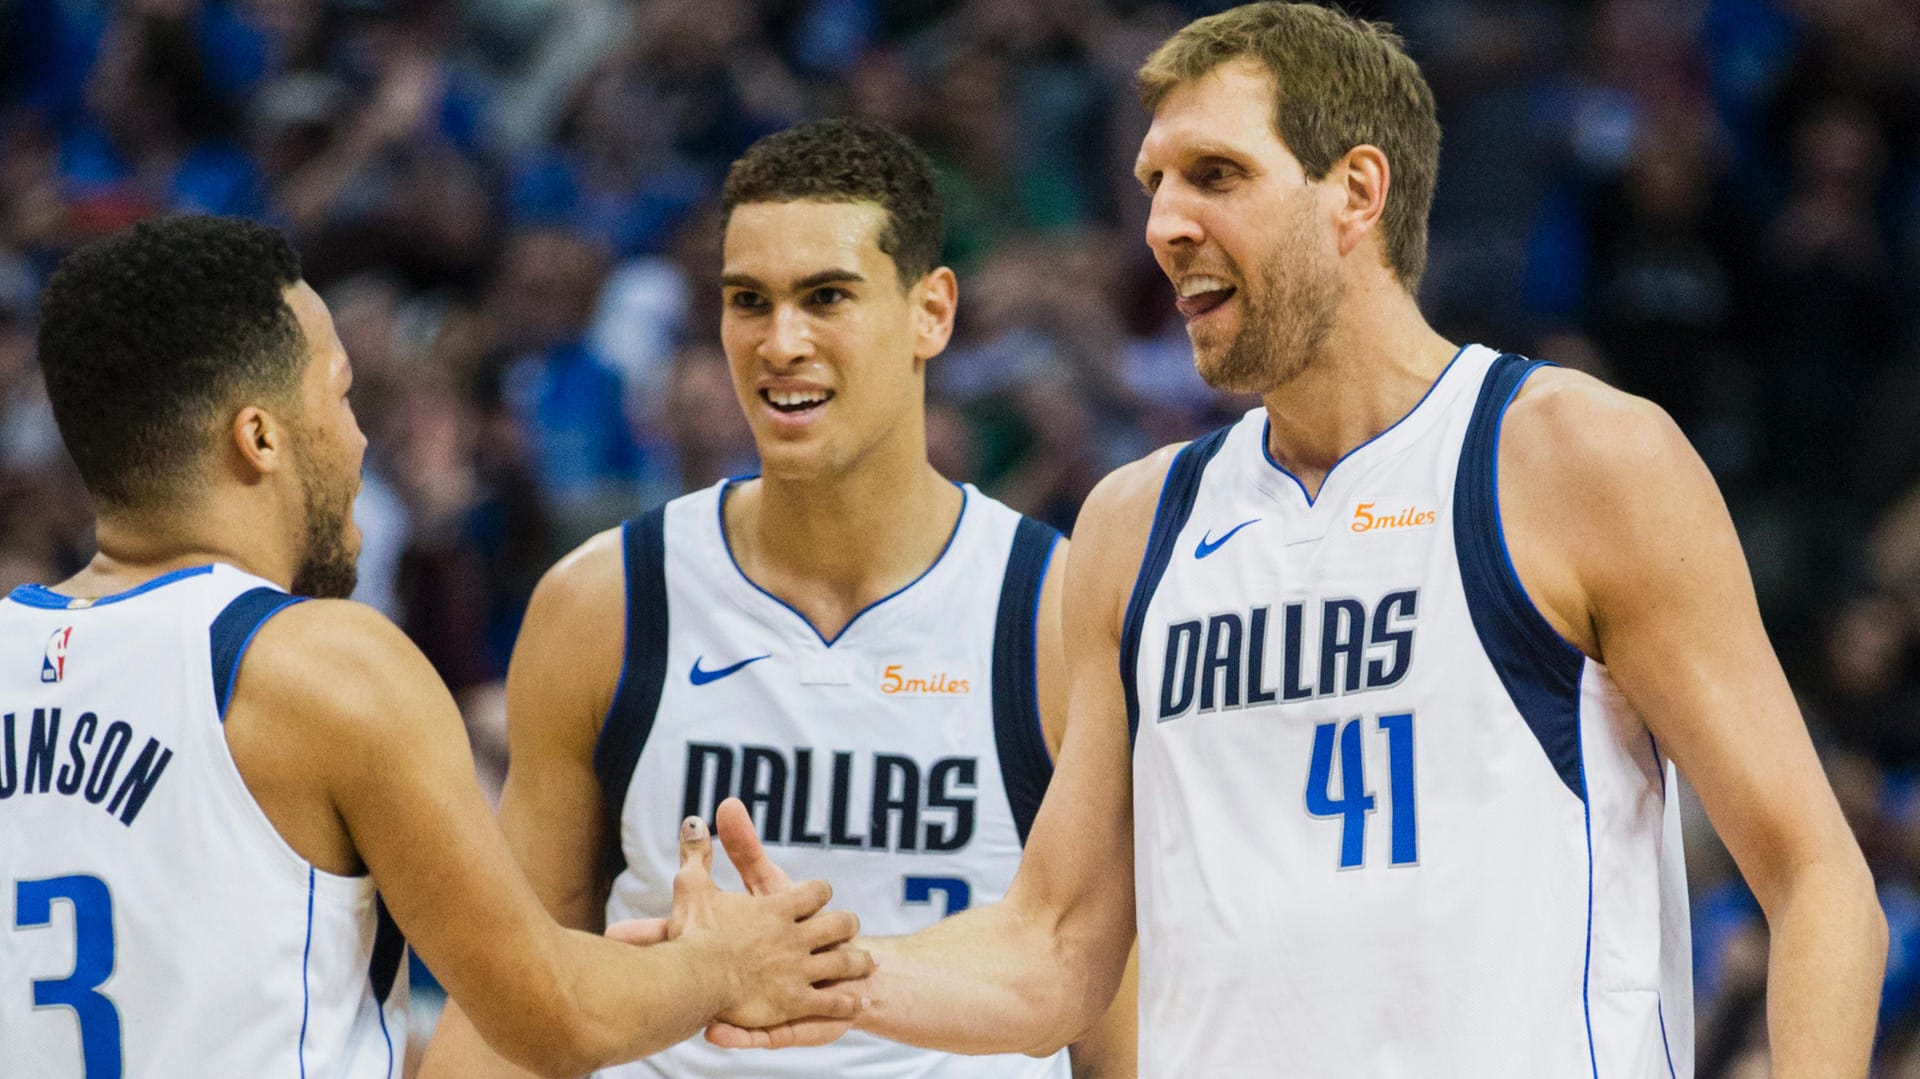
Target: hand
762, 877
776, 947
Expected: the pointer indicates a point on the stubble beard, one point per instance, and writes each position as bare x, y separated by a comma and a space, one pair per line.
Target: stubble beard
1284, 325
329, 565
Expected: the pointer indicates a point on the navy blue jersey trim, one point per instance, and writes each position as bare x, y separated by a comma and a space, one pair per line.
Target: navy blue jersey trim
643, 669
1025, 765
720, 512
1266, 432
233, 631
1540, 670
1177, 494
306, 990
389, 948
33, 595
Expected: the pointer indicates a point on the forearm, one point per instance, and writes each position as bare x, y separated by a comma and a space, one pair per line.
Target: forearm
1824, 971
990, 980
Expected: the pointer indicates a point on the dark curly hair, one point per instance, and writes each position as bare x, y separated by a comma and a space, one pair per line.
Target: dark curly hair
849, 161
145, 338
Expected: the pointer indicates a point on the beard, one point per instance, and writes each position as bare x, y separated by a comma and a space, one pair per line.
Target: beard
1283, 324
329, 562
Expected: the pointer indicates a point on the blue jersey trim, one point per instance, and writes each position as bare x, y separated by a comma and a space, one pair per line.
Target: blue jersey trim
1540, 670
643, 669
1586, 966
33, 595
720, 511
1660, 1011
232, 634
1177, 494
381, 1011
1266, 432
1025, 765
306, 954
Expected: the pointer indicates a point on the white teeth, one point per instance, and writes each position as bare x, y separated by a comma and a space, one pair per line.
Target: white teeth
1194, 286
791, 398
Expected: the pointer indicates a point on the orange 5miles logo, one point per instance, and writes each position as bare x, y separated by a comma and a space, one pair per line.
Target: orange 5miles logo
1366, 520
894, 683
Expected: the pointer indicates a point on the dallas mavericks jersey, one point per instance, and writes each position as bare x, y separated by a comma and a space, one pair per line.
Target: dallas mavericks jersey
1387, 822
152, 921
902, 760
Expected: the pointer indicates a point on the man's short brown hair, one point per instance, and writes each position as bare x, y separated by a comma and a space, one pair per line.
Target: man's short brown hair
1339, 82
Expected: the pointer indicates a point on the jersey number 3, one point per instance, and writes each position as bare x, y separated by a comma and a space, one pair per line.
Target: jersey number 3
92, 963
1355, 801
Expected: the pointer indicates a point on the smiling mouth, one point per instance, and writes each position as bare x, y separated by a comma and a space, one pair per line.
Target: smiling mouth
794, 402
1200, 301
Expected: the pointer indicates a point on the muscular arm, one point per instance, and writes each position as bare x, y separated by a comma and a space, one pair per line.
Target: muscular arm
363, 713
1031, 973
1107, 1050
565, 670
1620, 536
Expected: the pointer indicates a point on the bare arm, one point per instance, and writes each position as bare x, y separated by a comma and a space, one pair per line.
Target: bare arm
565, 670
361, 709
1108, 1049
1620, 536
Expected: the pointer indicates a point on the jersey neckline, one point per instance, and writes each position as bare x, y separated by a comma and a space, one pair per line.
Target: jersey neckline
720, 526
34, 595
1266, 433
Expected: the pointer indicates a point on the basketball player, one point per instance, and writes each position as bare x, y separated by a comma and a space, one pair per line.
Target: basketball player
861, 650
204, 780
1376, 695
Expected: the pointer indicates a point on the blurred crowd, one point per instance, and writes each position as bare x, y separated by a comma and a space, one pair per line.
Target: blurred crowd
510, 207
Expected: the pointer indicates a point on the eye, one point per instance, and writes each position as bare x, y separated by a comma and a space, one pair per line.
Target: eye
1150, 184
828, 296
746, 301
1214, 173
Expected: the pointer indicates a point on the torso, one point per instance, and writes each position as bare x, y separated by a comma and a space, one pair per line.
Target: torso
900, 759
200, 942
1387, 821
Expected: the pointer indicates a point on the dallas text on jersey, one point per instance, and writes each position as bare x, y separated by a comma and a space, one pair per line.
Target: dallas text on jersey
1220, 662
95, 754
910, 809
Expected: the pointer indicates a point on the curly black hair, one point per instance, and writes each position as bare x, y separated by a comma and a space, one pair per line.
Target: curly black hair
147, 335
849, 161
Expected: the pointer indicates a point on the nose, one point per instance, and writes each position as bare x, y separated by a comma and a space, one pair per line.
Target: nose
789, 339
1171, 221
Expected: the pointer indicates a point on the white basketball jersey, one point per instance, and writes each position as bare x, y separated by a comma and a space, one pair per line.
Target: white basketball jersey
1387, 822
152, 921
902, 761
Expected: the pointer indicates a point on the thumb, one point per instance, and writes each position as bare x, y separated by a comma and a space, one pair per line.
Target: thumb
696, 849
749, 858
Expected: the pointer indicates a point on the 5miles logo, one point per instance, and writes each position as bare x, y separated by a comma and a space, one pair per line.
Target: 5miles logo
1368, 518
897, 681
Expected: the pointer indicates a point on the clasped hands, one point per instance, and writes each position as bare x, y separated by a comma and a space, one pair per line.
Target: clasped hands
794, 979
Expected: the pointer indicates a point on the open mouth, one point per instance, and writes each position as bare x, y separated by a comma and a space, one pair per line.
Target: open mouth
1200, 294
795, 402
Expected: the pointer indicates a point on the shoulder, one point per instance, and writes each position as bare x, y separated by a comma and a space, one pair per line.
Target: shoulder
589, 582
1128, 496
1111, 533
1565, 426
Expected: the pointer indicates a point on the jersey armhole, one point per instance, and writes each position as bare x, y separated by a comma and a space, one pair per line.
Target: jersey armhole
623, 735
1026, 767
232, 633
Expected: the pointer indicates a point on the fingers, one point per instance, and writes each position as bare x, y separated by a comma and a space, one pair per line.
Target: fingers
639, 931
785, 1036
728, 1036
742, 842
838, 965
803, 900
828, 928
696, 847
843, 1004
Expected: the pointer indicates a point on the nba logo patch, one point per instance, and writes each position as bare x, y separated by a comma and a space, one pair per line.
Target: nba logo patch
53, 667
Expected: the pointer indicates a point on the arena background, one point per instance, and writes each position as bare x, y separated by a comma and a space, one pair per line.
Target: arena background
509, 206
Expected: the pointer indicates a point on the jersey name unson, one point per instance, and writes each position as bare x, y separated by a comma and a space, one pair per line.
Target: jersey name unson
1388, 822
153, 923
902, 761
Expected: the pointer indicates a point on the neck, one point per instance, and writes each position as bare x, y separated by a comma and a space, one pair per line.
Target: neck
135, 547
1380, 360
830, 546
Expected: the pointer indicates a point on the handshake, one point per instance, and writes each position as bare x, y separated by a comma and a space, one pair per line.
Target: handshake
795, 977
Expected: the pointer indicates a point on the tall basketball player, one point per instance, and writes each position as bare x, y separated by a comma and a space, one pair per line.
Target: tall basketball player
1377, 695
862, 651
212, 793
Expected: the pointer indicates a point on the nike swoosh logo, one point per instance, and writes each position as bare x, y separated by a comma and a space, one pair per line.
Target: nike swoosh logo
1208, 545
700, 678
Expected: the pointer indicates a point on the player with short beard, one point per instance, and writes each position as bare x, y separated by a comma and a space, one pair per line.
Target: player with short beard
248, 782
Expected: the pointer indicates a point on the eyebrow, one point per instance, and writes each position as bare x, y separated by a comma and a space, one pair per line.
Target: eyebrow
812, 280
1197, 152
